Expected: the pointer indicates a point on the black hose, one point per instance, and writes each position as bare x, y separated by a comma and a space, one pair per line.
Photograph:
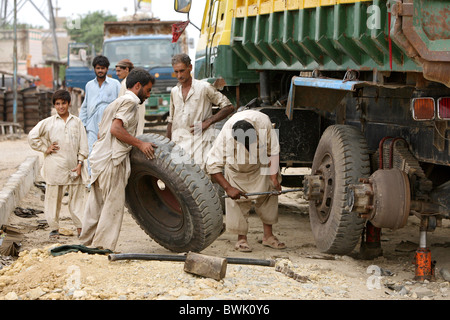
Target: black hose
144, 256
166, 257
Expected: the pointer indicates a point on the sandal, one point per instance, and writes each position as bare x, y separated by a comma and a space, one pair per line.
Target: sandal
274, 243
242, 246
54, 234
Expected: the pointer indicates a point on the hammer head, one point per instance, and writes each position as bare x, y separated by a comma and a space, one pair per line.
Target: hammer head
205, 266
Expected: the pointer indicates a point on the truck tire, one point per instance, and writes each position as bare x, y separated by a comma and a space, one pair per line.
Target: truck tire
341, 158
172, 199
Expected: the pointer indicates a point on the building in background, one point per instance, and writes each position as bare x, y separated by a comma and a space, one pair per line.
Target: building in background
29, 49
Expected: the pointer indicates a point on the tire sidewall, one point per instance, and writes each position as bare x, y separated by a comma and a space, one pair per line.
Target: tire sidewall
346, 171
202, 219
174, 238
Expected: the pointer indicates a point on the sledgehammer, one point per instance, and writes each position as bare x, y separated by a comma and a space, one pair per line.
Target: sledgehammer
199, 264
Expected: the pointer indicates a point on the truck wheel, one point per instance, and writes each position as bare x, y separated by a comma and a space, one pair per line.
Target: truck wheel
341, 158
172, 199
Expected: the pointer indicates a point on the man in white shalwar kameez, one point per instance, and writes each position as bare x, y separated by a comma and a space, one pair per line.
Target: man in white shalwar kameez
247, 150
110, 163
63, 140
191, 119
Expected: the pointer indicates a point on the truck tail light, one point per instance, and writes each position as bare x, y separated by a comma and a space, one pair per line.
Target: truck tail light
423, 108
443, 111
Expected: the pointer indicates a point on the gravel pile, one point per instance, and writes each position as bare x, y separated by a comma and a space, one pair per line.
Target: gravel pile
37, 275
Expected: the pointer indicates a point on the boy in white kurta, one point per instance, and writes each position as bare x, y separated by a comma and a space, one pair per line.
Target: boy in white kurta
63, 141
110, 163
247, 149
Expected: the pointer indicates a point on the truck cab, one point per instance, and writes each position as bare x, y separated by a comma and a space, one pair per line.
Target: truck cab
147, 44
154, 54
79, 65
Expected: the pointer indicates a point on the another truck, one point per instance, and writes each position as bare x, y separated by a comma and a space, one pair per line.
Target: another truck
79, 65
359, 91
147, 43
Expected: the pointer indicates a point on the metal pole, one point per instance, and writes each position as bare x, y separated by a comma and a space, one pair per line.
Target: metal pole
272, 193
3, 12
15, 65
37, 8
182, 258
53, 28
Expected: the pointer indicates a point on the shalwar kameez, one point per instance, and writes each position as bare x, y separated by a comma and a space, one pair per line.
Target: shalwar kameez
110, 169
56, 170
246, 171
193, 110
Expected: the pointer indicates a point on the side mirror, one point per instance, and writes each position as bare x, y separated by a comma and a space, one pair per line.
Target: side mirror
183, 6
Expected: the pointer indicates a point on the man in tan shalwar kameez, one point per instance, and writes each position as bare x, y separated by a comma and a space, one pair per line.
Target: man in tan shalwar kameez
110, 163
123, 68
191, 119
251, 166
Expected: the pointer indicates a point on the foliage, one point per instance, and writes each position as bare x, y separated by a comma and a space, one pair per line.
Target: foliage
89, 28
19, 26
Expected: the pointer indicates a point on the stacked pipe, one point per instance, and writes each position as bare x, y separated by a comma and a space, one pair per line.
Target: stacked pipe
31, 108
45, 104
9, 99
2, 105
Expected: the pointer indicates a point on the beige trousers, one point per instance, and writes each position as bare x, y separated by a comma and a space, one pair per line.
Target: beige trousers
237, 213
52, 203
104, 209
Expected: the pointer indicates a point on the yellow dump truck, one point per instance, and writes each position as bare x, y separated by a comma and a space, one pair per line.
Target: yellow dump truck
358, 91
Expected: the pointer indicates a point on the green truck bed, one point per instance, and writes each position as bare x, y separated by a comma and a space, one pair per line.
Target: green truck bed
394, 35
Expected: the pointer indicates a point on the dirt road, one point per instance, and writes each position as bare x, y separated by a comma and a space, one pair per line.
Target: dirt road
81, 276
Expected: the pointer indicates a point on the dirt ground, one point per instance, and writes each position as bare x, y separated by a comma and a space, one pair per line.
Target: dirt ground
302, 272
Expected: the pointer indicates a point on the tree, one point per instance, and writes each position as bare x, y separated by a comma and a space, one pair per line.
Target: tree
19, 26
89, 29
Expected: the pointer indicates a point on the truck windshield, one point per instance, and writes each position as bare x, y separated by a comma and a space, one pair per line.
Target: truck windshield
80, 55
144, 53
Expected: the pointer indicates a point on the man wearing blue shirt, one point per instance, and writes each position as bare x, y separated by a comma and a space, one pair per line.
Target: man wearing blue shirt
99, 93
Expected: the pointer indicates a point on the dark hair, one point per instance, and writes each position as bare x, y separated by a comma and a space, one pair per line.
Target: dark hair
181, 58
101, 61
61, 94
244, 132
139, 75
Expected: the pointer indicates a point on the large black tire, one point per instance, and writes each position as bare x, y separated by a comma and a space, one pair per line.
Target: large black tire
341, 158
172, 199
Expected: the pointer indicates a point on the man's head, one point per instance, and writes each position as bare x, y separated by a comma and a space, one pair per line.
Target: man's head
140, 82
123, 68
61, 101
245, 133
101, 65
182, 67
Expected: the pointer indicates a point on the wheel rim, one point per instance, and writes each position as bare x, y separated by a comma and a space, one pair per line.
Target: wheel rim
326, 171
166, 195
168, 211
